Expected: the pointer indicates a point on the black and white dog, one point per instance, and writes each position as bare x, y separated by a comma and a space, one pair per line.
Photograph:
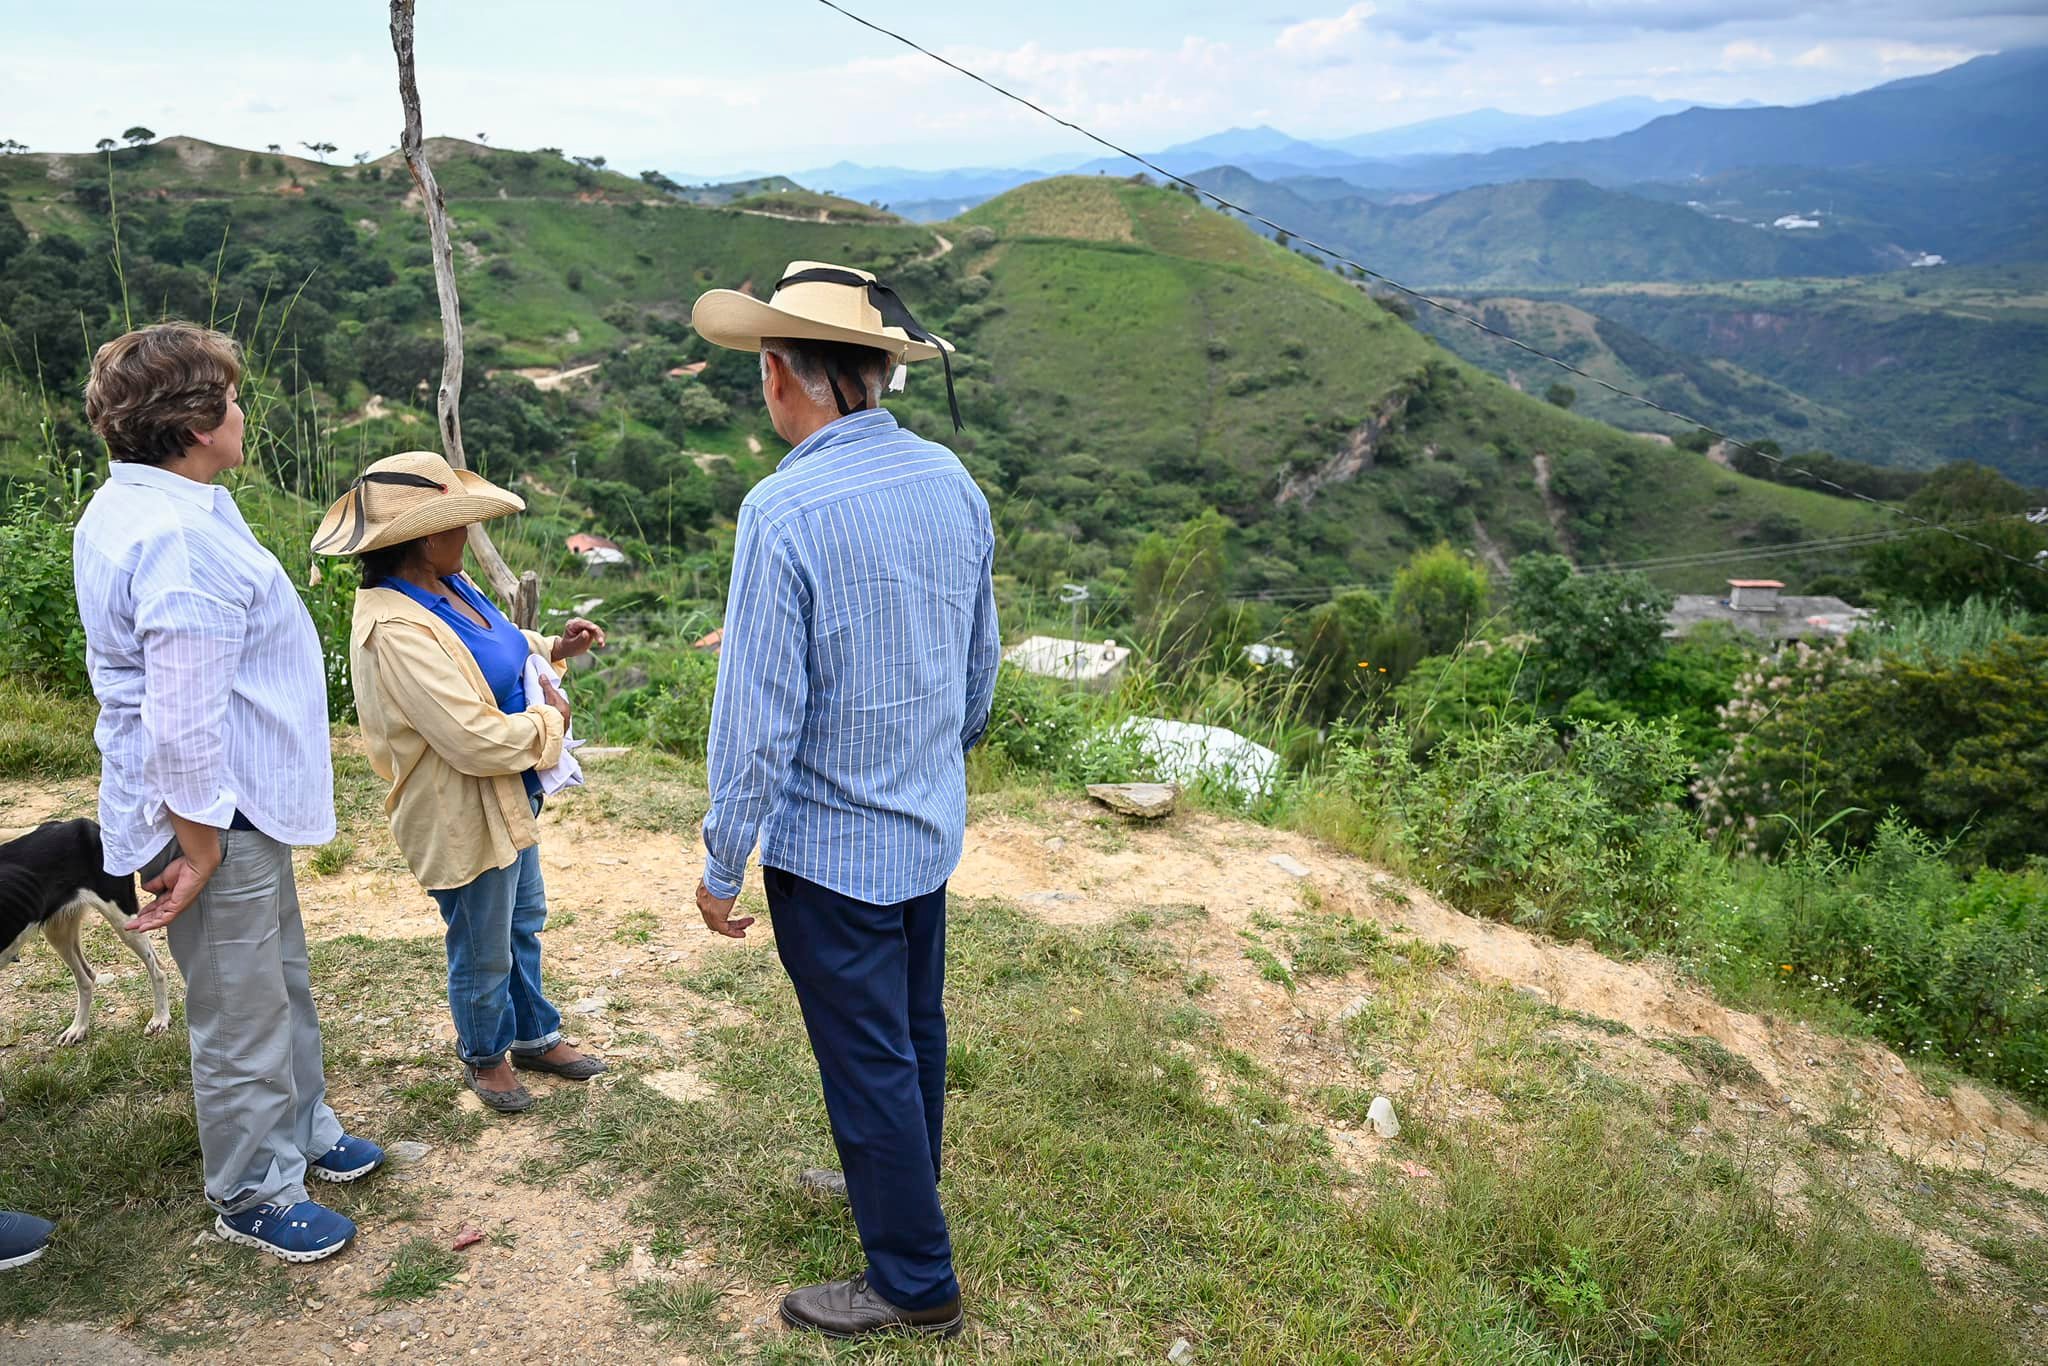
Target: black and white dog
50, 879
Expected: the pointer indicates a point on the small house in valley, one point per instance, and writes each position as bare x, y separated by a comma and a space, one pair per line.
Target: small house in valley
1089, 663
1761, 607
597, 553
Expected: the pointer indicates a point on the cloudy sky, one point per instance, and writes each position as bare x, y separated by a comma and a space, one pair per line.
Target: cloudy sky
698, 89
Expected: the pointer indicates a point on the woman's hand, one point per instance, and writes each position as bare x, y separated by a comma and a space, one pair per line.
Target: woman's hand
552, 695
579, 637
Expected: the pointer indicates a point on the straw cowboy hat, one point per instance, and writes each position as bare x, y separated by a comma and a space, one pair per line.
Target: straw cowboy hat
404, 497
817, 301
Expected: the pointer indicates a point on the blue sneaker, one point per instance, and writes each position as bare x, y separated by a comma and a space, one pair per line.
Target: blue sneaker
23, 1238
304, 1232
348, 1160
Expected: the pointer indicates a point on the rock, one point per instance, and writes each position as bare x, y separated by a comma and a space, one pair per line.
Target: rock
1146, 801
1289, 865
1181, 1352
589, 1005
823, 1182
408, 1150
1052, 898
1354, 1008
1381, 1113
1534, 993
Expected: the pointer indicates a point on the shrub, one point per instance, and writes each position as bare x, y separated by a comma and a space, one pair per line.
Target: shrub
38, 609
1943, 964
1958, 746
680, 719
1585, 840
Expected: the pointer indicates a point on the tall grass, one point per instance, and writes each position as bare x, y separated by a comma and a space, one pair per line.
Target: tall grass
1943, 634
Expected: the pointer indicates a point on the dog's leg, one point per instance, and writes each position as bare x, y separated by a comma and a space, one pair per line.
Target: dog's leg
160, 1017
62, 930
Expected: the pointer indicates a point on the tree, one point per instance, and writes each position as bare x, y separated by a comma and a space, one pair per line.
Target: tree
1561, 395
9, 147
1598, 632
274, 148
361, 158
138, 135
1440, 596
1997, 560
319, 149
104, 145
1337, 668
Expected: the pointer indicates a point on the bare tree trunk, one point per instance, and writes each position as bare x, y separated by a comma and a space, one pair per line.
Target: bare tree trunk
521, 594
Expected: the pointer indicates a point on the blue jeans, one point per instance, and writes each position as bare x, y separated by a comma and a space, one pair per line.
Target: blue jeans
494, 992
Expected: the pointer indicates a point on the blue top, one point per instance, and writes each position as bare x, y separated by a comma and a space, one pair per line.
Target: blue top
499, 648
858, 667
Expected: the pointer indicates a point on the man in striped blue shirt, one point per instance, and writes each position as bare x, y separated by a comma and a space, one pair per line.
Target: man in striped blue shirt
858, 669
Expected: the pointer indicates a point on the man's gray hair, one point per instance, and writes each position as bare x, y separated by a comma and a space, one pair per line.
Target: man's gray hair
813, 365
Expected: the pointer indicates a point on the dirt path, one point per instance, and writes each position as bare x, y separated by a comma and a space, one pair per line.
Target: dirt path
1554, 507
622, 936
547, 378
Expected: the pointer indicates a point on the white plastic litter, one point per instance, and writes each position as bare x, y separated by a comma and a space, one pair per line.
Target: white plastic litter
1184, 752
1381, 1113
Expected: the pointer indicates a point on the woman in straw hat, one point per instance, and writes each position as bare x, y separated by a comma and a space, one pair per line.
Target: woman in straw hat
442, 693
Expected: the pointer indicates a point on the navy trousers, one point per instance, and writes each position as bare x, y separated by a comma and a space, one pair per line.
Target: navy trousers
870, 981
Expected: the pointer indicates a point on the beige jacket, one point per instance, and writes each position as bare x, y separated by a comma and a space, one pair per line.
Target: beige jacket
458, 805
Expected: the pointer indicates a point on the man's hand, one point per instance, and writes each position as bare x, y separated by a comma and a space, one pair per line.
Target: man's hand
552, 695
717, 911
175, 889
579, 637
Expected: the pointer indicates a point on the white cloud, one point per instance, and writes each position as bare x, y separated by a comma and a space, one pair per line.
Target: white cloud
1922, 55
1745, 53
1820, 54
1322, 39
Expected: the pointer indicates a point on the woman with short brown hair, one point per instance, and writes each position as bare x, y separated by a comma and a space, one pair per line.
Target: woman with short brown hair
214, 764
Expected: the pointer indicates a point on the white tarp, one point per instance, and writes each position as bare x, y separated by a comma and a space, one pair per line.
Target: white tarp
1185, 752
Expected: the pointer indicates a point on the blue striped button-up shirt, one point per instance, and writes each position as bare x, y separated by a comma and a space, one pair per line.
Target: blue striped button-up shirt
858, 666
213, 696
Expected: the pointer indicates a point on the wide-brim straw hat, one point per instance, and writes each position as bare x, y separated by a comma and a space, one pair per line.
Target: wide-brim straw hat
404, 497
816, 301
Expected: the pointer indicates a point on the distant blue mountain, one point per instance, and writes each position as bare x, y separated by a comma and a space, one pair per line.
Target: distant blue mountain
1487, 130
1986, 110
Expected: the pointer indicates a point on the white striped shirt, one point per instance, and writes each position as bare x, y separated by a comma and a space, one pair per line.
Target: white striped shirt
858, 667
213, 698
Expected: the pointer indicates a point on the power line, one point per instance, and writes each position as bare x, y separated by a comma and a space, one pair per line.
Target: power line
1437, 304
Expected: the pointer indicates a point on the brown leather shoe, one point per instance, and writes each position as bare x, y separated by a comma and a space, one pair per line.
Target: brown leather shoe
851, 1309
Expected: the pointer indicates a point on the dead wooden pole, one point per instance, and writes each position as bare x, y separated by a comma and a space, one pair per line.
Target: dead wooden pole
521, 594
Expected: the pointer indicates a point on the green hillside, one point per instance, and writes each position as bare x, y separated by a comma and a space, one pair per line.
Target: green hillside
1946, 361
1129, 360
1544, 232
1136, 333
1718, 392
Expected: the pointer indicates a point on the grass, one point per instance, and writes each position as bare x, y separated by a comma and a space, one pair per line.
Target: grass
419, 1268
1105, 1201
44, 734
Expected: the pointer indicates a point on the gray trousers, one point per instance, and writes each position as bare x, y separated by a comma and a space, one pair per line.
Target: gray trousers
257, 1081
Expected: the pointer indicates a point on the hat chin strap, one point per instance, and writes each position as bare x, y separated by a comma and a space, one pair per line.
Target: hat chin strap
895, 313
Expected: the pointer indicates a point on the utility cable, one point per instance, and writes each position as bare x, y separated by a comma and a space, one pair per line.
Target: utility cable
1439, 305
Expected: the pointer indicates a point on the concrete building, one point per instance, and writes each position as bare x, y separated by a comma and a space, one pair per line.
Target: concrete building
597, 553
1071, 661
1760, 607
